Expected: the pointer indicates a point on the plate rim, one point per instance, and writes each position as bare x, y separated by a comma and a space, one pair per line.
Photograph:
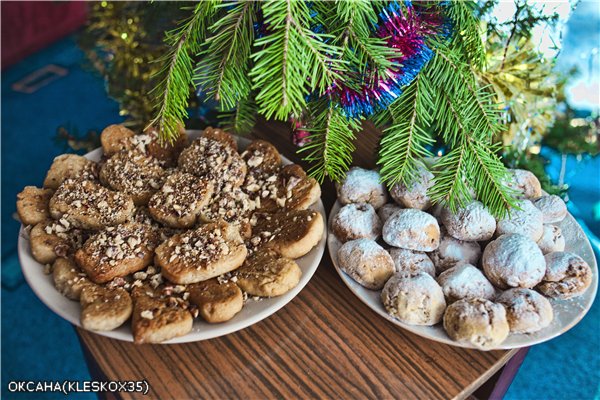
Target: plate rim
418, 329
31, 275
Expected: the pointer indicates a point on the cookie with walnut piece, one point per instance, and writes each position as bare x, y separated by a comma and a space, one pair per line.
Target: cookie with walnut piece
220, 135
262, 156
133, 173
267, 274
553, 208
366, 262
86, 204
525, 183
117, 251
206, 252
526, 220
165, 152
115, 138
356, 221
68, 166
414, 195
32, 205
179, 202
412, 229
290, 233
217, 302
552, 239
362, 186
69, 280
155, 319
567, 275
52, 239
104, 309
527, 311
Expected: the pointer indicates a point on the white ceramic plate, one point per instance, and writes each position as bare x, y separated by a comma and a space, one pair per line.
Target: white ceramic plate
567, 313
253, 311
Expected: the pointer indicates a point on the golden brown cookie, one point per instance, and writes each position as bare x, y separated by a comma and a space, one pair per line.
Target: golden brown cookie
290, 233
32, 205
166, 153
220, 135
366, 262
155, 319
180, 201
206, 252
52, 239
261, 155
567, 275
104, 309
217, 302
115, 138
68, 166
117, 251
69, 280
132, 173
266, 274
86, 204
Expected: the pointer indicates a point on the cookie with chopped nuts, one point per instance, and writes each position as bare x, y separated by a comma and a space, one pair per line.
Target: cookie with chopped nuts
32, 205
213, 160
234, 206
261, 155
52, 239
69, 280
181, 199
88, 205
115, 138
290, 233
68, 166
155, 319
165, 152
206, 252
133, 173
220, 136
217, 302
266, 274
117, 251
104, 309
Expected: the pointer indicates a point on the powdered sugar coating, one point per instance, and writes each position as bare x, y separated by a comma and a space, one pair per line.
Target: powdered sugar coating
415, 195
469, 223
355, 221
527, 221
465, 281
453, 251
513, 260
553, 208
527, 311
366, 262
525, 183
415, 299
386, 211
567, 275
479, 322
412, 229
409, 261
362, 186
552, 239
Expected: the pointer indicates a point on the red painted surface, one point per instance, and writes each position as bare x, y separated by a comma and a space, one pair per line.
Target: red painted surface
28, 26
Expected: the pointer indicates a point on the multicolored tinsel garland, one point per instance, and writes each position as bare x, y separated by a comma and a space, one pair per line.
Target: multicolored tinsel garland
404, 28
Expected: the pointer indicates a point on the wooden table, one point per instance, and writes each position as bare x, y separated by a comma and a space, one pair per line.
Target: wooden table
324, 344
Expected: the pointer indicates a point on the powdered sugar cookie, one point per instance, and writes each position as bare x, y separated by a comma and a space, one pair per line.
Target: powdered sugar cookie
412, 229
469, 223
465, 281
513, 260
527, 220
355, 221
415, 299
553, 208
366, 262
415, 194
552, 239
526, 310
362, 186
479, 322
567, 275
409, 261
386, 211
525, 183
453, 251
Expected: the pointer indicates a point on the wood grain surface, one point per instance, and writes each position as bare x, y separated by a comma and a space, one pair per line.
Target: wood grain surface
324, 344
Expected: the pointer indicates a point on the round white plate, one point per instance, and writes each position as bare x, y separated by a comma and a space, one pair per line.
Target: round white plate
253, 311
567, 313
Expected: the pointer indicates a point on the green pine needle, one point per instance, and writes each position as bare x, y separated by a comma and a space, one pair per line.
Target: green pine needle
241, 119
172, 92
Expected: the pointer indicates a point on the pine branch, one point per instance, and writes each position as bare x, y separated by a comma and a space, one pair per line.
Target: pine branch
293, 61
467, 32
242, 119
172, 92
331, 141
404, 143
223, 69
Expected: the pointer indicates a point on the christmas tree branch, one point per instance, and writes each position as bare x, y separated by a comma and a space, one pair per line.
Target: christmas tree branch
172, 92
241, 119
